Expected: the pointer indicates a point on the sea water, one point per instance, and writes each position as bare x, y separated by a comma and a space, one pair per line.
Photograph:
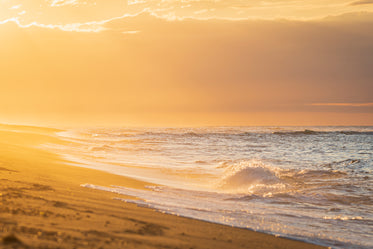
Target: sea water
314, 184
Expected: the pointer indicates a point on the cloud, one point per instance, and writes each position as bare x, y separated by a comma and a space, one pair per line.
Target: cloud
61, 12
59, 3
15, 7
76, 27
361, 2
86, 27
189, 65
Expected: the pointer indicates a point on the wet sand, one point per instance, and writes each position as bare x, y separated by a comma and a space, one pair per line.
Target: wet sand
43, 206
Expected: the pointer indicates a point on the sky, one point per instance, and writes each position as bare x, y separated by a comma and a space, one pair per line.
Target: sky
186, 62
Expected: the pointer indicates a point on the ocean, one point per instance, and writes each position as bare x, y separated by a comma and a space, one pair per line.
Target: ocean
313, 184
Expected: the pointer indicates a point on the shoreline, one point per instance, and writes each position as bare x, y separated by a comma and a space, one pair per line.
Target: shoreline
43, 206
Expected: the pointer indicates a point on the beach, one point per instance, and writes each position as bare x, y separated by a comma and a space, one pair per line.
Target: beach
186, 124
44, 206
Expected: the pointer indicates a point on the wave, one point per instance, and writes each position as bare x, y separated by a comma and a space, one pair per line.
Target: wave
304, 132
255, 177
312, 132
251, 177
222, 135
318, 174
355, 167
344, 163
346, 199
251, 138
357, 132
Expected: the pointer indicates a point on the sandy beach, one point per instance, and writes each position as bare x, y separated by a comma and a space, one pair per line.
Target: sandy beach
43, 206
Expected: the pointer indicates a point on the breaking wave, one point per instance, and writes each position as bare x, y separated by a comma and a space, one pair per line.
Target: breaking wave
248, 176
312, 132
255, 177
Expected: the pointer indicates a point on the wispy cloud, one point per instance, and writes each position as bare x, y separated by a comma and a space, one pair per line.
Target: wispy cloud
343, 104
77, 27
94, 26
361, 2
58, 3
61, 12
132, 2
15, 7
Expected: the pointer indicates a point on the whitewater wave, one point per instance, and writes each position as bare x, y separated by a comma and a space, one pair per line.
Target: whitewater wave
249, 177
257, 178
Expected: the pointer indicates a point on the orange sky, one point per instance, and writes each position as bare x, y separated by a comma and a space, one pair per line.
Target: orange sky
185, 63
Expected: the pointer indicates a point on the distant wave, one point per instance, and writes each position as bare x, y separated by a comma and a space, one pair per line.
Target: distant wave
139, 136
312, 132
304, 132
244, 134
195, 134
356, 132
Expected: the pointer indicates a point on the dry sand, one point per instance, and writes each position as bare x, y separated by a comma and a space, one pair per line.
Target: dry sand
43, 206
